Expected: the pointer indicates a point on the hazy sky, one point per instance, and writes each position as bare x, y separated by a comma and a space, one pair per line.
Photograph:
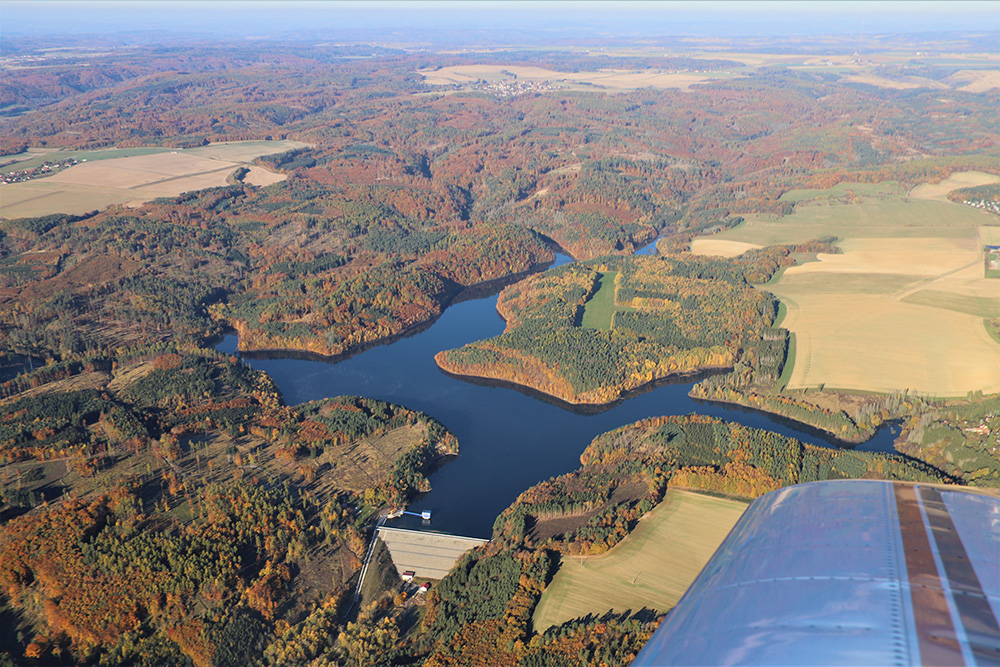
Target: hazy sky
721, 18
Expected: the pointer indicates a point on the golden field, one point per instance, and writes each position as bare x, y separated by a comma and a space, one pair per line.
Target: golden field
132, 180
651, 568
903, 307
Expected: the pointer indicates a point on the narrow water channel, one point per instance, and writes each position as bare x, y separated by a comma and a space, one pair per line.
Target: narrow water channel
509, 440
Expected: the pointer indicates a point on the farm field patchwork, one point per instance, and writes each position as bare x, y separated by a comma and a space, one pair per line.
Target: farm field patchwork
107, 178
614, 79
894, 217
652, 567
903, 307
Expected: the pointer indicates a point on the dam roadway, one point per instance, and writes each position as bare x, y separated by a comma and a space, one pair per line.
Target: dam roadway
428, 555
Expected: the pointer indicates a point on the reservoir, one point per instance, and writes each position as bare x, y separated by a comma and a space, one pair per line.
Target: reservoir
508, 440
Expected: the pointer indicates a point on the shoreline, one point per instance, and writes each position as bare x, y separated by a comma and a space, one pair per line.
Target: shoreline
800, 425
582, 407
474, 291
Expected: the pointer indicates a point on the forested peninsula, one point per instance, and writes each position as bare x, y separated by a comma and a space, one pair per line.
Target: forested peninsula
589, 332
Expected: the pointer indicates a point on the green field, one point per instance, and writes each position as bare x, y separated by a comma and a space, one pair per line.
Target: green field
42, 155
842, 189
894, 218
600, 308
651, 568
599, 311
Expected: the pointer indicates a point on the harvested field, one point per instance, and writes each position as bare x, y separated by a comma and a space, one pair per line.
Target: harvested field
260, 177
135, 179
848, 283
845, 190
720, 247
904, 83
891, 218
976, 306
902, 307
614, 79
650, 568
976, 81
872, 343
965, 179
243, 151
912, 257
34, 157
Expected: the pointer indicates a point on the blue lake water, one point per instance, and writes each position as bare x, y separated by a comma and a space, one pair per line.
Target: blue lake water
509, 440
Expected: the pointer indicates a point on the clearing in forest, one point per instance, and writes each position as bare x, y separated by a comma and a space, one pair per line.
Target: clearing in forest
599, 310
903, 307
651, 568
132, 177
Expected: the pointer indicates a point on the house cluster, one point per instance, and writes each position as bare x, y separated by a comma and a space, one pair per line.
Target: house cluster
44, 169
992, 257
990, 205
514, 88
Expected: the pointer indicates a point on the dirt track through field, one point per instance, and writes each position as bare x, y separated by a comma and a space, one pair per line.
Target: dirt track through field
902, 307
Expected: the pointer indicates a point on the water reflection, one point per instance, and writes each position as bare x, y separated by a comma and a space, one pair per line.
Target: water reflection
509, 440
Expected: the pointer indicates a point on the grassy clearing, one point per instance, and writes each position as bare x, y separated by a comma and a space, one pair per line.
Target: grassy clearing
779, 317
789, 366
600, 308
650, 568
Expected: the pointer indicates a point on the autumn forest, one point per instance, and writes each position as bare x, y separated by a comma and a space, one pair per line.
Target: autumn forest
162, 504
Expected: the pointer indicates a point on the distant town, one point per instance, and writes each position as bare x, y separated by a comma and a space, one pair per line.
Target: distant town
514, 88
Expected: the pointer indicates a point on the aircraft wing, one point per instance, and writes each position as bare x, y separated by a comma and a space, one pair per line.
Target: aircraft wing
852, 572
